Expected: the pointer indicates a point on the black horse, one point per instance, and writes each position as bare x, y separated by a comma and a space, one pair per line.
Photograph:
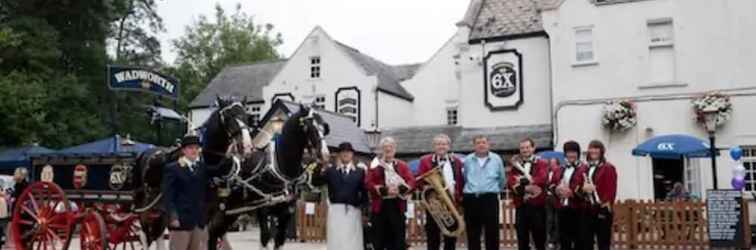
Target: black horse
272, 177
226, 135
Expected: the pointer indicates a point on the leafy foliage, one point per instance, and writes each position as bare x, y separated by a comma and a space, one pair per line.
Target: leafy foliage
53, 56
209, 46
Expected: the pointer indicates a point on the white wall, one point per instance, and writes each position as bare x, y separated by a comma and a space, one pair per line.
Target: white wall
393, 111
337, 70
441, 81
713, 42
198, 116
582, 123
713, 46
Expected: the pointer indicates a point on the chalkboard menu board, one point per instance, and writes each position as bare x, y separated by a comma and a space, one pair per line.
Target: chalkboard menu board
725, 215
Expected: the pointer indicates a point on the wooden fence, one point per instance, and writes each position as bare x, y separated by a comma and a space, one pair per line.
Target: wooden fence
637, 224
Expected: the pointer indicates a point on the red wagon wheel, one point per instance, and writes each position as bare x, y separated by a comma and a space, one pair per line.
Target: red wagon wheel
92, 233
42, 218
125, 230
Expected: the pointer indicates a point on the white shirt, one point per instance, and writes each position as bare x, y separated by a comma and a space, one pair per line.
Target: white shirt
528, 163
568, 171
591, 170
447, 171
481, 161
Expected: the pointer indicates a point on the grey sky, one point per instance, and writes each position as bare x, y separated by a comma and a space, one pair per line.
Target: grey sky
394, 31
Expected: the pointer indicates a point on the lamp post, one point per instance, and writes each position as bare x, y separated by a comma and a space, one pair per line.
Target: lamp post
710, 123
373, 137
276, 124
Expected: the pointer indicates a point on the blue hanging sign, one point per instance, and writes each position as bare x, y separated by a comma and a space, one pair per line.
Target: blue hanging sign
141, 79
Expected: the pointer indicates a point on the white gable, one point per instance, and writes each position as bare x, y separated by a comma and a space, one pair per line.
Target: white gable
338, 75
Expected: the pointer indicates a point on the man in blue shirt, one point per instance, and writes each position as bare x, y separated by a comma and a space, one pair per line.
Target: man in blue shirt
484, 180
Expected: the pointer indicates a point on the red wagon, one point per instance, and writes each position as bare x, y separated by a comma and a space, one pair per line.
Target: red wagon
51, 212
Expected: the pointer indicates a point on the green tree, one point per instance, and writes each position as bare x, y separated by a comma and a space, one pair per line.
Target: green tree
23, 109
134, 41
134, 33
208, 46
52, 69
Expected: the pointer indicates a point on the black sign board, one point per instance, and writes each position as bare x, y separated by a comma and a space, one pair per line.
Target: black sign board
726, 215
141, 79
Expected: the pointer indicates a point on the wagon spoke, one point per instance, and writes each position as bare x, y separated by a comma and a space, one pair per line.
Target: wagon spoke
54, 235
58, 226
56, 216
25, 222
30, 212
33, 201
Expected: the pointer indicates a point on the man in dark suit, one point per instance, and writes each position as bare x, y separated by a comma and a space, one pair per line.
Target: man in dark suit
184, 187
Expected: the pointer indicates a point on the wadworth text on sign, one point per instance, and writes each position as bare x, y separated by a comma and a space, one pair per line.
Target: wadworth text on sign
141, 79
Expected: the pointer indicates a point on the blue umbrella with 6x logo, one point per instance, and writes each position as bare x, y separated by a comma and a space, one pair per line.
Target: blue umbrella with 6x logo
674, 146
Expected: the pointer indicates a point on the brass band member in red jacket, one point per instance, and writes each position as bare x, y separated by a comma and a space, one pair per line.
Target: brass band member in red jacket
451, 169
571, 208
389, 183
527, 181
600, 188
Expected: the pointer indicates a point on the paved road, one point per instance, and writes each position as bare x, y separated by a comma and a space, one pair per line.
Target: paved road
249, 240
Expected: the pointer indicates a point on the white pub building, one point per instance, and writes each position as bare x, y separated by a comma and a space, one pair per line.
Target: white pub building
544, 69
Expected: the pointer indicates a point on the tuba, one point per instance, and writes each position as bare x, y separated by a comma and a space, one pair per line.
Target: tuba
439, 204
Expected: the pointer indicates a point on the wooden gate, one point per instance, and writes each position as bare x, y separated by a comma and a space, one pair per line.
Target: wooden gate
637, 224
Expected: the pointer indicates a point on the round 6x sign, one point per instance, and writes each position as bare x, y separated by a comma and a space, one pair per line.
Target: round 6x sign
80, 176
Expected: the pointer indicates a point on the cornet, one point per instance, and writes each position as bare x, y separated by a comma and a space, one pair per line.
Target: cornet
392, 177
593, 198
525, 174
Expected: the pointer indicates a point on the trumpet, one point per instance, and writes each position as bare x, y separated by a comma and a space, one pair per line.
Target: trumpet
439, 204
593, 197
565, 200
525, 174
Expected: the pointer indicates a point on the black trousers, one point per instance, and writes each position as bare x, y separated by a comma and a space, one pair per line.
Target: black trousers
433, 233
482, 215
530, 221
600, 228
572, 228
388, 227
552, 219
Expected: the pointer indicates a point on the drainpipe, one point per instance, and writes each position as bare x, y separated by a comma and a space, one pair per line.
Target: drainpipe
376, 107
551, 96
644, 98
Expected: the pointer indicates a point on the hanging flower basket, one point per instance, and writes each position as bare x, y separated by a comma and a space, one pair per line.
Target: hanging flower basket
619, 115
715, 101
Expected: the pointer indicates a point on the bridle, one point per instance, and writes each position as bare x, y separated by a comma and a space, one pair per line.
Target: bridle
320, 128
272, 168
242, 128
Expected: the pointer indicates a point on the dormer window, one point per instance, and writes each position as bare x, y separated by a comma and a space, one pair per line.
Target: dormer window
315, 67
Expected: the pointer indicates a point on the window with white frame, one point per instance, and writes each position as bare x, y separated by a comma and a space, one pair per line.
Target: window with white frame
315, 67
585, 52
661, 46
319, 102
452, 116
254, 113
749, 162
692, 177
